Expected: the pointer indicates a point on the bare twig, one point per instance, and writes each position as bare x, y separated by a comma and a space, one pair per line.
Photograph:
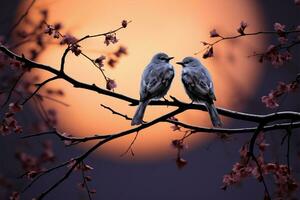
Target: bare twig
85, 183
222, 38
267, 193
39, 86
44, 173
130, 146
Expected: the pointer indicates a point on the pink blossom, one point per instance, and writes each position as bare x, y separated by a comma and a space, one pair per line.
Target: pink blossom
56, 35
180, 162
279, 27
275, 57
79, 166
110, 84
121, 51
242, 28
18, 129
270, 101
67, 142
15, 196
100, 60
15, 107
53, 30
75, 49
214, 33
112, 62
209, 53
282, 87
86, 167
292, 87
124, 23
110, 39
49, 30
68, 39
270, 168
244, 151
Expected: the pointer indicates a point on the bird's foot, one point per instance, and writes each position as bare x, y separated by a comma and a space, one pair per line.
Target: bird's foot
165, 99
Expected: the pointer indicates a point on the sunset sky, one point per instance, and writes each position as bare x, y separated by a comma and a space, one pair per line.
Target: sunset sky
174, 27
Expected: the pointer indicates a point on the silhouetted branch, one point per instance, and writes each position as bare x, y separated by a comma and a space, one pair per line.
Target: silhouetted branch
223, 38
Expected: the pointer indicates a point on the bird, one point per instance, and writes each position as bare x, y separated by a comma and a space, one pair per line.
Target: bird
199, 86
155, 83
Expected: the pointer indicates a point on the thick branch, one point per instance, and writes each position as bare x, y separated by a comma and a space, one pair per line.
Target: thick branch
100, 143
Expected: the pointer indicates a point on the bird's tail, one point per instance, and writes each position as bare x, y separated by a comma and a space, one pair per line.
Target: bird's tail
139, 114
214, 116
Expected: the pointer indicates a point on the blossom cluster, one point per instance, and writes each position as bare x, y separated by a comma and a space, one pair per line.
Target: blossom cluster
83, 168
33, 165
245, 168
271, 100
9, 124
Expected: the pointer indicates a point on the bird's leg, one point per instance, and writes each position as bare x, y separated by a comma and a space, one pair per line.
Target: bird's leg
166, 100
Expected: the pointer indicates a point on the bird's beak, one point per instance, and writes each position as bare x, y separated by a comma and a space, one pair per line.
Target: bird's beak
170, 58
180, 63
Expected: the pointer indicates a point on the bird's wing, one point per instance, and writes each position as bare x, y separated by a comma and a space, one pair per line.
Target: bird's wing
199, 84
205, 76
155, 80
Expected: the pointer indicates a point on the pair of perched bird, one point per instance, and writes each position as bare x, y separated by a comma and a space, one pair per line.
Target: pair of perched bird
157, 78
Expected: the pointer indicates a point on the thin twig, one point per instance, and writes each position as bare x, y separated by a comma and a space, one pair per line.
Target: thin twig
39, 86
44, 173
92, 61
222, 38
130, 146
100, 143
262, 177
85, 183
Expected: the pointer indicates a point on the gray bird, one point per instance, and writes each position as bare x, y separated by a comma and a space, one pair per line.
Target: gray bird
155, 83
199, 86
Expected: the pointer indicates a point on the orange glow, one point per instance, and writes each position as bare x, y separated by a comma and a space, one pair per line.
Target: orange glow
174, 27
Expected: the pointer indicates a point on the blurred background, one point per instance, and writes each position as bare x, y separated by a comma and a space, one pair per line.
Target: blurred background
176, 28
